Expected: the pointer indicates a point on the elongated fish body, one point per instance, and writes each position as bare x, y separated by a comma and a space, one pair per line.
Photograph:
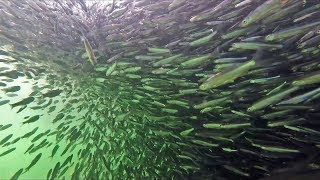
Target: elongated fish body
25, 101
308, 79
33, 162
271, 99
89, 51
290, 32
228, 76
17, 174
173, 89
265, 9
301, 98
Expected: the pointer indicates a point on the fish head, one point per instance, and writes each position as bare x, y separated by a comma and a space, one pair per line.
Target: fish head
251, 109
195, 19
269, 37
245, 22
204, 87
235, 46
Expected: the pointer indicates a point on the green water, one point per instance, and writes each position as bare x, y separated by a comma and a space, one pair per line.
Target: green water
12, 162
160, 89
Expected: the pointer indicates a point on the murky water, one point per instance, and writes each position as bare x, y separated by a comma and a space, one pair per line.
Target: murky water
170, 89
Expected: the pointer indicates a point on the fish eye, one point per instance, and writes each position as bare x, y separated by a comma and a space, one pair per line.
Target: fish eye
269, 37
204, 86
244, 22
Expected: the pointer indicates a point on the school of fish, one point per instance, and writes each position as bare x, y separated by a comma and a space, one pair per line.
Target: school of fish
165, 89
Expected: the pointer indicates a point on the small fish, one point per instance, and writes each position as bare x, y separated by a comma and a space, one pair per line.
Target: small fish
211, 103
5, 139
12, 89
197, 61
25, 101
5, 127
52, 93
271, 99
226, 126
34, 93
51, 109
54, 150
275, 149
89, 51
255, 45
69, 159
22, 108
7, 152
186, 132
55, 170
48, 104
43, 143
301, 98
2, 84
7, 80
15, 140
203, 40
236, 170
33, 162
12, 95
64, 171
212, 11
290, 32
17, 174
31, 119
28, 134
40, 136
14, 74
307, 79
58, 117
29, 148
262, 11
49, 173
203, 143
3, 102
227, 76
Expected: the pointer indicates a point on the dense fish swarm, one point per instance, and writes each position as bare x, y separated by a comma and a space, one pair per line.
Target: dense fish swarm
203, 89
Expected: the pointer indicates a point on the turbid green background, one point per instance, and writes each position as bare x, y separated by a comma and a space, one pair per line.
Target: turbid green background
11, 163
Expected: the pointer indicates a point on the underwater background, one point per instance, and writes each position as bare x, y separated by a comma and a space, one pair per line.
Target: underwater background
159, 89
